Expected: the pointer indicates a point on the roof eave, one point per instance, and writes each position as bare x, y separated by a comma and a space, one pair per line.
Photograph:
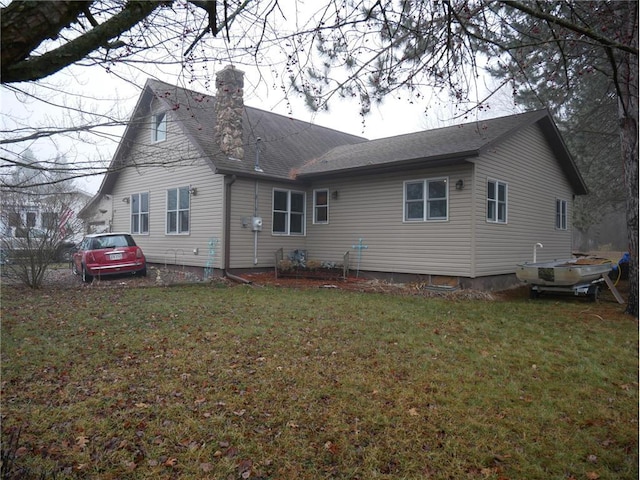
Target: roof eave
415, 163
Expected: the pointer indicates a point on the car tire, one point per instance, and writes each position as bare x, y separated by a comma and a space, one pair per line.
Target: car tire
86, 277
143, 272
65, 256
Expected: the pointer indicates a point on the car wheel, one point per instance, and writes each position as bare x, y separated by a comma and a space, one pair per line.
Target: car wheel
143, 272
86, 277
65, 255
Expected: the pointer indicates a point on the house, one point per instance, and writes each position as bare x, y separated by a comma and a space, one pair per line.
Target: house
22, 211
208, 182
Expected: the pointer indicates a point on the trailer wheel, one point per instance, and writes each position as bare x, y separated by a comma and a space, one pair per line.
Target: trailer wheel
593, 293
533, 293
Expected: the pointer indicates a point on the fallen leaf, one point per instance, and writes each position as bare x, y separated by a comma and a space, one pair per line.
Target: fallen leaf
244, 468
21, 451
413, 412
82, 441
231, 452
593, 476
171, 462
206, 467
331, 447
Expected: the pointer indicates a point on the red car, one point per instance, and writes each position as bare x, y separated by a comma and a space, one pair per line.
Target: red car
103, 254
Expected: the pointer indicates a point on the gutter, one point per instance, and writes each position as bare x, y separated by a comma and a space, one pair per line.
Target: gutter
228, 181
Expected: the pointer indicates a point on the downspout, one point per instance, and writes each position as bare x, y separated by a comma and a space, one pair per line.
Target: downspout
257, 168
255, 232
228, 181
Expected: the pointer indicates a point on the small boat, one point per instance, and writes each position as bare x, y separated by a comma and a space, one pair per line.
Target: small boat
564, 273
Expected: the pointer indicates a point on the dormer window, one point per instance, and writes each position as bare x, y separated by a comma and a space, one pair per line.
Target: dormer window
160, 127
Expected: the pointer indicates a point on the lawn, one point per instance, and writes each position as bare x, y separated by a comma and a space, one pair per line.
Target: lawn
205, 382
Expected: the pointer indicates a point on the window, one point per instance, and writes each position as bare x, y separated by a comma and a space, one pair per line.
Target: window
140, 213
321, 206
49, 220
160, 127
496, 201
15, 219
288, 212
426, 200
178, 210
31, 219
561, 214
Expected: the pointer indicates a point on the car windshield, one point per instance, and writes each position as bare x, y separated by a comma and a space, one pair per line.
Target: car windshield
112, 241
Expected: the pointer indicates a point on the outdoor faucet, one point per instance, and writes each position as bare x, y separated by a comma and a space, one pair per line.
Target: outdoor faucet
534, 250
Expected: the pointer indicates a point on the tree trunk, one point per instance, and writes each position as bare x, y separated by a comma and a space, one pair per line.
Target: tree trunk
628, 117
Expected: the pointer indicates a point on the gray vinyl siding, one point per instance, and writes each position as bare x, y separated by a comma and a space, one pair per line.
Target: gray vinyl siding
527, 164
177, 164
243, 239
371, 208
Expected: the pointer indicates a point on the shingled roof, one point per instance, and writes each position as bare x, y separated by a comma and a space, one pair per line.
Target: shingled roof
441, 146
292, 149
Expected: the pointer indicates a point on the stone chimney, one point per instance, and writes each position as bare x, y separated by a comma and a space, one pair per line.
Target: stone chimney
229, 109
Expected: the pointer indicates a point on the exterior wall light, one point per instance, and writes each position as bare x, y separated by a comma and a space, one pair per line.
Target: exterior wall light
460, 184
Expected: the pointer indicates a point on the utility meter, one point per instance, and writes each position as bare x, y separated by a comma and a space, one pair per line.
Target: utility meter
256, 224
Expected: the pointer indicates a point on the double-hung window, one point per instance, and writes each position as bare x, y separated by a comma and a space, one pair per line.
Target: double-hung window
426, 200
496, 201
561, 214
321, 206
160, 127
288, 212
178, 206
140, 213
49, 221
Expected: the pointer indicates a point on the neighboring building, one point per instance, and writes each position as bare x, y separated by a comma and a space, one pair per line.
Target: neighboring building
208, 182
96, 215
22, 211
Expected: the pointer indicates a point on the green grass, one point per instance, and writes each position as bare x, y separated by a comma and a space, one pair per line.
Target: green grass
224, 383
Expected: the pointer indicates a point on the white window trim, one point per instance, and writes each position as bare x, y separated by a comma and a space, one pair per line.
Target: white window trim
140, 213
506, 202
563, 215
288, 213
178, 210
315, 207
154, 127
425, 200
